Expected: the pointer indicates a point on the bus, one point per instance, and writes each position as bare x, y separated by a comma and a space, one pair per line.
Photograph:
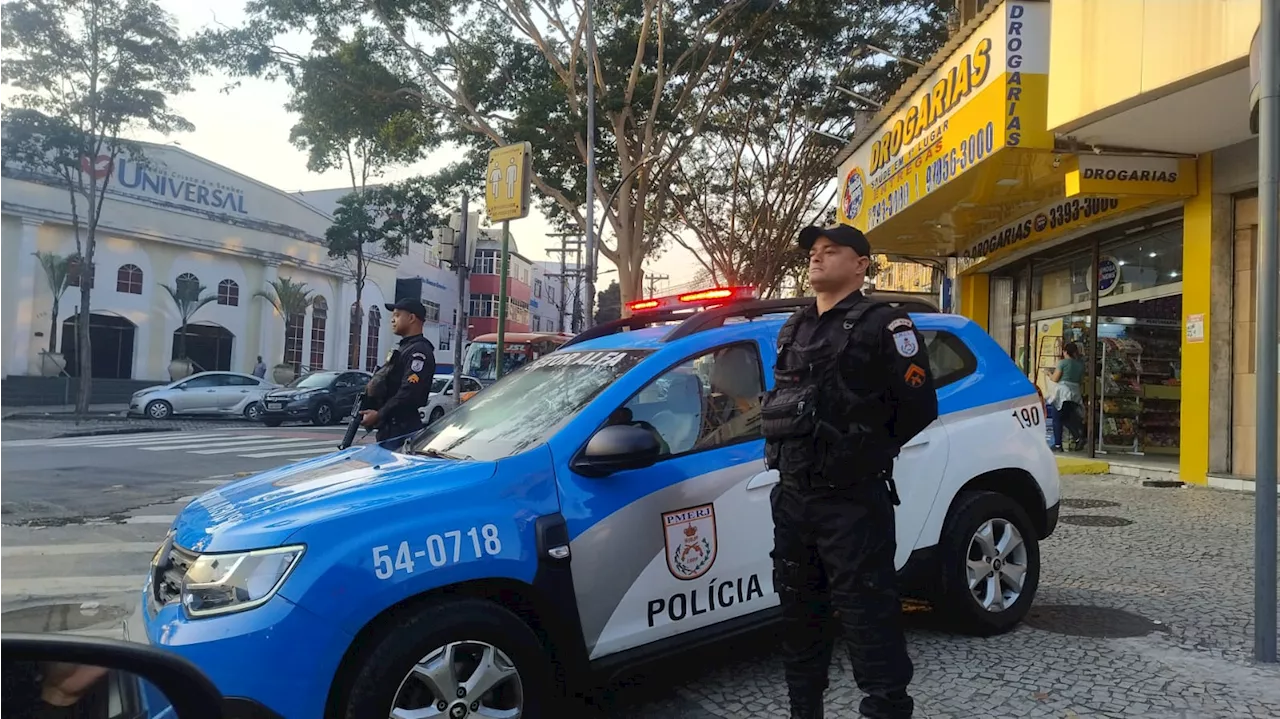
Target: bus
521, 347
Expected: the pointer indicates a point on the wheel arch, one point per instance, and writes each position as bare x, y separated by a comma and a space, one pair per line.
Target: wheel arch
1018, 485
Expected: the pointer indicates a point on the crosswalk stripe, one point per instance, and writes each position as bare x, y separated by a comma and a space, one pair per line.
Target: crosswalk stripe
100, 440
72, 586
150, 519
159, 438
295, 442
295, 452
221, 442
57, 550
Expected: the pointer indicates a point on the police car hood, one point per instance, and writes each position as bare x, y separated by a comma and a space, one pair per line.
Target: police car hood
264, 510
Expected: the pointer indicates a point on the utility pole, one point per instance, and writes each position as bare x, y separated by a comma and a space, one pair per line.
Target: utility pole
1267, 337
569, 242
653, 281
461, 265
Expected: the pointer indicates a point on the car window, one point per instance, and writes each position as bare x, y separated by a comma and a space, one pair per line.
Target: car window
204, 382
949, 358
470, 385
238, 381
707, 401
527, 407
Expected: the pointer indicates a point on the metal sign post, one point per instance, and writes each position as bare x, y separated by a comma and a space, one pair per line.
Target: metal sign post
508, 177
1268, 341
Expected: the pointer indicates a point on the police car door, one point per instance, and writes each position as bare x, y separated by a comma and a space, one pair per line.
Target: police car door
690, 547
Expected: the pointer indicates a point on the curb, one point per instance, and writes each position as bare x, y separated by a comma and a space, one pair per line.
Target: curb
1075, 465
102, 431
67, 416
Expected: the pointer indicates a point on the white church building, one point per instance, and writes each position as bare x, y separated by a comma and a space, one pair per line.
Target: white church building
181, 219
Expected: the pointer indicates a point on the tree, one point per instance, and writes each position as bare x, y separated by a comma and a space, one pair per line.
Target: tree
188, 298
356, 115
88, 73
506, 71
762, 168
609, 303
56, 271
290, 300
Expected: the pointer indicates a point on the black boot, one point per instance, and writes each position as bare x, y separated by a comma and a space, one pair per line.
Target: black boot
806, 707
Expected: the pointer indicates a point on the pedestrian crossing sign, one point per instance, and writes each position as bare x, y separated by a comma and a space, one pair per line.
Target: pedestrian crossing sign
507, 179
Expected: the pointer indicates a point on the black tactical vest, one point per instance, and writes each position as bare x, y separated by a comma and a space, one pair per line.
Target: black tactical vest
819, 428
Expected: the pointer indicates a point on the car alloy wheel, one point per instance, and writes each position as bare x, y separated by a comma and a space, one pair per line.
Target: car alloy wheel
997, 564
253, 412
159, 409
461, 679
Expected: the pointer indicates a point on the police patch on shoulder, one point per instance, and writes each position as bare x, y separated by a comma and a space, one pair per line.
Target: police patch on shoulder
905, 342
413, 379
914, 376
899, 323
417, 365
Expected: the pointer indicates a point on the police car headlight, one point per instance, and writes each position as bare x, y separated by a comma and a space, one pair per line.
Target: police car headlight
236, 581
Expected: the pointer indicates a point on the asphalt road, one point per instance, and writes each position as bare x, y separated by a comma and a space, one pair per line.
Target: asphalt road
1144, 607
55, 481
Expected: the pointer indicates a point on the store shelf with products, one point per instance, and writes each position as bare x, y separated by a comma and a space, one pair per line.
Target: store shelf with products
1140, 398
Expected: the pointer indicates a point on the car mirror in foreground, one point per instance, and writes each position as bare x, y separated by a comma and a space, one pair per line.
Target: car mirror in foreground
48, 675
618, 447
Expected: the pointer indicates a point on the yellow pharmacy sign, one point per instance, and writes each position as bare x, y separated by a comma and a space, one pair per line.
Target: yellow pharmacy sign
1134, 175
507, 181
990, 94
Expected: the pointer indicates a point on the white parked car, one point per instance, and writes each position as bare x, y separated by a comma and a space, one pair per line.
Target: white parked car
229, 393
442, 400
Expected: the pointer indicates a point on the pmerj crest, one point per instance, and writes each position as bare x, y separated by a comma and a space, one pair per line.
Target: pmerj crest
690, 536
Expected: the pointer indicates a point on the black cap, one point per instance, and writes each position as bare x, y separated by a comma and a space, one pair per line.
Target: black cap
845, 235
410, 305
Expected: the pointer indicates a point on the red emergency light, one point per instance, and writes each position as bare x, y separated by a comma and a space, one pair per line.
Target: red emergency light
692, 300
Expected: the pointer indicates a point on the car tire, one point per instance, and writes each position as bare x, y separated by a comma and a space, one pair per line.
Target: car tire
253, 412
993, 515
159, 409
322, 415
436, 414
381, 679
272, 422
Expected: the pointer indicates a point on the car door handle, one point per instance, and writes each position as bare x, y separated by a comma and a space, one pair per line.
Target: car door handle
767, 478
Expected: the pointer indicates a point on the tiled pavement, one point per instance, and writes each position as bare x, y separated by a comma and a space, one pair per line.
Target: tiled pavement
1185, 561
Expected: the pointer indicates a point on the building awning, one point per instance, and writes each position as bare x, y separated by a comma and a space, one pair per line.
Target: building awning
964, 147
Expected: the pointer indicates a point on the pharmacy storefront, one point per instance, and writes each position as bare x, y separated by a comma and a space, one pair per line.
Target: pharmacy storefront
1048, 244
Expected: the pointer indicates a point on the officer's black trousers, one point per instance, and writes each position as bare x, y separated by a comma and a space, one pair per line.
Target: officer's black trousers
399, 429
833, 549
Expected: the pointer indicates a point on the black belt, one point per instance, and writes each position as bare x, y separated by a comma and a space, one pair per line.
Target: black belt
807, 483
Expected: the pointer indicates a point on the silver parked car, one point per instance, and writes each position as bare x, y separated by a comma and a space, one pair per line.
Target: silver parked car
230, 393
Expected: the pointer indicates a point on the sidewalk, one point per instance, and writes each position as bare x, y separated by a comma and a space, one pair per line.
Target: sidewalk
62, 411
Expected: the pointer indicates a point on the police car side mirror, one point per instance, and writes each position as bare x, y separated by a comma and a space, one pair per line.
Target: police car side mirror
44, 671
616, 448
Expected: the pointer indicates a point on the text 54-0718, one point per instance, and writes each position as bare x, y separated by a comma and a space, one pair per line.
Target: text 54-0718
450, 547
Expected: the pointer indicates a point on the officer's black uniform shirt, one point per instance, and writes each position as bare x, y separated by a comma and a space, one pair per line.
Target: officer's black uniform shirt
409, 382
913, 403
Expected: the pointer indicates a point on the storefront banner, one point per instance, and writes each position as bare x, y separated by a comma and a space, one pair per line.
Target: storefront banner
1050, 222
991, 93
1112, 175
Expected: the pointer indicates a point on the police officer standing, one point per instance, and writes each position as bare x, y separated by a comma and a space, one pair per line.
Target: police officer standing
403, 384
852, 385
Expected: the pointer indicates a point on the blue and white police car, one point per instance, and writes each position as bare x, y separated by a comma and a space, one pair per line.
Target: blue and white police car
602, 505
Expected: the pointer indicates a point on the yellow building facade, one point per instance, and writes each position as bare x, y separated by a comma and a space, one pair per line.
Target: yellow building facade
1088, 171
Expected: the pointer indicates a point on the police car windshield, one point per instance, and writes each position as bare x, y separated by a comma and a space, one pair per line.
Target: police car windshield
526, 407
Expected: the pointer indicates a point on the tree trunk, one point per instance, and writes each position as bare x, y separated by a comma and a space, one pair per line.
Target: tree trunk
84, 353
53, 328
182, 341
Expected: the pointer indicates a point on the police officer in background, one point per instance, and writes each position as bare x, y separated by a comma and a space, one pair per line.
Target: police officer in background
402, 385
852, 385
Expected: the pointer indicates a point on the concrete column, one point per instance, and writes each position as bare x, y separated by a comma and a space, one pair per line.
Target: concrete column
29, 273
272, 328
1218, 326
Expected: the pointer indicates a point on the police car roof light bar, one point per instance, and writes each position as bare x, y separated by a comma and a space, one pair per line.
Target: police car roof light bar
712, 318
709, 297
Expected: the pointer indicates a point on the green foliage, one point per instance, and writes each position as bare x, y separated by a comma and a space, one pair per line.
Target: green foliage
188, 298
290, 300
86, 73
609, 303
57, 270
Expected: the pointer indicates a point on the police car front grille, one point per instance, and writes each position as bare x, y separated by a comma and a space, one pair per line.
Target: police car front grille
169, 574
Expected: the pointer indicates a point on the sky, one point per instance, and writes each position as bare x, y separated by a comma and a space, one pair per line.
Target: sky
247, 130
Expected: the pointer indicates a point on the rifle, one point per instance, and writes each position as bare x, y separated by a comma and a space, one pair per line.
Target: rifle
354, 425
